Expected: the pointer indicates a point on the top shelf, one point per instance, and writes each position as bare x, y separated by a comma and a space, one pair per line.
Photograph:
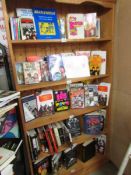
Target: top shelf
92, 39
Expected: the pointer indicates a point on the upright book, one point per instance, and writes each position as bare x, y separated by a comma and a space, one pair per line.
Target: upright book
46, 23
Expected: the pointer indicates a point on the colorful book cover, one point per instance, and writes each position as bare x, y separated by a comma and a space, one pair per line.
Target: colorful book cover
56, 67
76, 66
61, 100
45, 102
93, 123
101, 144
28, 29
77, 95
91, 95
30, 107
102, 54
20, 73
90, 24
32, 72
46, 23
95, 62
45, 75
75, 26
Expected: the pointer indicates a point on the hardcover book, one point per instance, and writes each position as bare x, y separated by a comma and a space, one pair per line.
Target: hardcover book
75, 26
32, 72
30, 107
56, 67
28, 29
77, 95
46, 23
93, 123
45, 102
76, 66
90, 24
73, 124
61, 100
20, 73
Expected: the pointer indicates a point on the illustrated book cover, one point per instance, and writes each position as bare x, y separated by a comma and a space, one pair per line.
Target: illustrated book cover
28, 29
45, 75
76, 66
56, 67
45, 102
75, 26
20, 73
95, 62
61, 100
101, 144
32, 72
77, 95
46, 22
30, 107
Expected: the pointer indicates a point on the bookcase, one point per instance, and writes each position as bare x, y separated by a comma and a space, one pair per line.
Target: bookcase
20, 49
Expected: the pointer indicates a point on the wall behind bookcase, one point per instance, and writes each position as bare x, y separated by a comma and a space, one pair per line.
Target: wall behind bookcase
121, 114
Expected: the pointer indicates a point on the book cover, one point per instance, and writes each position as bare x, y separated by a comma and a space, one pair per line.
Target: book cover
30, 107
28, 29
75, 26
101, 144
61, 100
77, 95
20, 73
93, 123
62, 28
45, 75
24, 12
103, 56
45, 102
56, 67
90, 24
32, 72
91, 95
76, 66
73, 124
104, 93
46, 23
95, 62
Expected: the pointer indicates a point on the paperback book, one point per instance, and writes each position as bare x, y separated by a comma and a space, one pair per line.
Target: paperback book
61, 100
95, 62
20, 73
46, 23
101, 144
45, 75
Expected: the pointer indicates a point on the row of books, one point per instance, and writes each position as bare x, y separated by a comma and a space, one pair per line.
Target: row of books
43, 23
69, 157
79, 96
60, 66
49, 138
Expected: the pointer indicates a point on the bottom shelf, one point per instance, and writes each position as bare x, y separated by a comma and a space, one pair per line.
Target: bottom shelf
81, 168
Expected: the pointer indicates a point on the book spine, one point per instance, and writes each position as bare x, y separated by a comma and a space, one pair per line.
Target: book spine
53, 139
57, 136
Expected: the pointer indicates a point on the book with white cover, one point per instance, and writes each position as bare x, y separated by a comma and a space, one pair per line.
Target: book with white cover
6, 95
23, 12
76, 66
56, 134
102, 54
8, 170
75, 26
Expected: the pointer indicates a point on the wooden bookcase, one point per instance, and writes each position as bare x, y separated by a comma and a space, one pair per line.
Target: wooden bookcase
19, 50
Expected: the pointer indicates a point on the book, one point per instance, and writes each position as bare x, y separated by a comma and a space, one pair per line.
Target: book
56, 134
76, 66
70, 156
104, 93
73, 124
98, 27
45, 102
32, 72
7, 108
30, 107
93, 123
27, 26
15, 28
8, 170
62, 28
61, 100
56, 67
90, 24
20, 12
8, 95
103, 56
95, 62
46, 22
75, 26
91, 95
20, 73
77, 95
87, 150
80, 53
45, 75
61, 132
101, 144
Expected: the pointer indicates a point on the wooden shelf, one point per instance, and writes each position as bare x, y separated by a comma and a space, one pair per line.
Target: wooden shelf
50, 84
92, 39
59, 116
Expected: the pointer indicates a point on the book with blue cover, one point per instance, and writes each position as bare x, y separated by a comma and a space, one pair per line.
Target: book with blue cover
46, 23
